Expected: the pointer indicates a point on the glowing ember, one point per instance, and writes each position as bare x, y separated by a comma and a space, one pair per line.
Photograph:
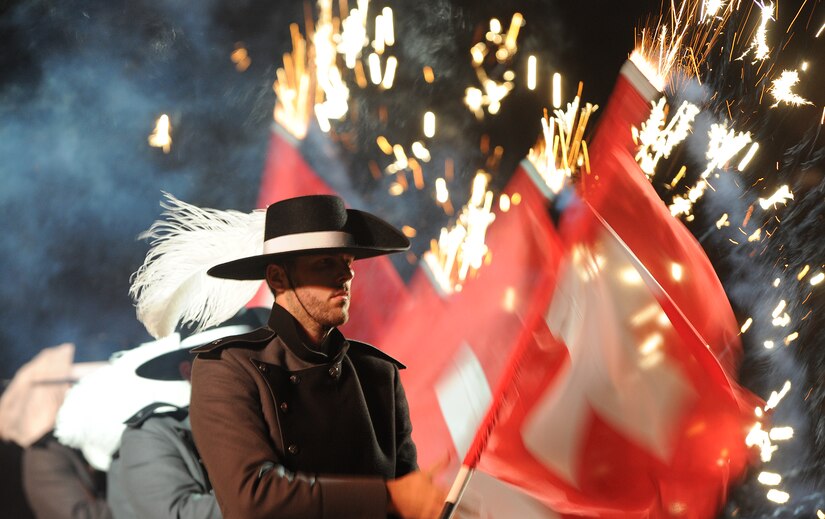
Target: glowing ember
778, 496
504, 203
748, 156
556, 90
803, 272
781, 89
775, 397
760, 438
769, 478
389, 73
384, 31
160, 136
509, 302
384, 144
781, 196
676, 271
429, 124
531, 73
817, 278
420, 151
442, 196
240, 57
375, 68
746, 325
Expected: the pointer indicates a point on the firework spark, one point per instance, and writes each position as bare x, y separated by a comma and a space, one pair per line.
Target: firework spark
461, 250
561, 149
781, 196
503, 47
353, 38
723, 146
161, 136
656, 141
781, 89
760, 40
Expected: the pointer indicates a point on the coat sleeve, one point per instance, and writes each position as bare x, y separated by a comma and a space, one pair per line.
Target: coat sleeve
406, 456
155, 479
246, 471
56, 485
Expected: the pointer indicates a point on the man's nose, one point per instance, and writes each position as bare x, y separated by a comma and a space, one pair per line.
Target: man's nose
346, 272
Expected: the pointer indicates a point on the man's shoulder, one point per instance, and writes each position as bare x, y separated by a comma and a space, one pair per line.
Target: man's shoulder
251, 340
360, 349
157, 413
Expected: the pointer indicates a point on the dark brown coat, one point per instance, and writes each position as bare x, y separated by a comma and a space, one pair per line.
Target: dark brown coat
285, 431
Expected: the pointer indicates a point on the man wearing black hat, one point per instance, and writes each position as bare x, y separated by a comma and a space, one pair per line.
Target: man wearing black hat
292, 419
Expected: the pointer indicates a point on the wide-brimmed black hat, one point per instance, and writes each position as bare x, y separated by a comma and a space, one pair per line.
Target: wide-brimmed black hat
167, 365
311, 225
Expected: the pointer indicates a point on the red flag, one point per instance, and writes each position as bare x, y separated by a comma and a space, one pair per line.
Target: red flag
621, 194
615, 403
614, 406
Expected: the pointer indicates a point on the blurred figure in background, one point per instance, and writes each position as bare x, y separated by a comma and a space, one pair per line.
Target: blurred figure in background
60, 483
157, 472
57, 481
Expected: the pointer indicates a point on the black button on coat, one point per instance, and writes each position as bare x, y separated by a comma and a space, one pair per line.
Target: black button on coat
286, 431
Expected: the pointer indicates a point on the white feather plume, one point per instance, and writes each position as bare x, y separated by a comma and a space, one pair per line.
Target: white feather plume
92, 414
172, 287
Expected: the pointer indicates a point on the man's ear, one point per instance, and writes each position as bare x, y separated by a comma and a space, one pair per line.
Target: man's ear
276, 278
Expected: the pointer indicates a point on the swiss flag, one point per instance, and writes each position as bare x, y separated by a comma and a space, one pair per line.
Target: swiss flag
614, 406
575, 372
619, 402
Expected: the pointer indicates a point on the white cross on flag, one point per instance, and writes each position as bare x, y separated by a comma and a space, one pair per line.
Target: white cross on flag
576, 372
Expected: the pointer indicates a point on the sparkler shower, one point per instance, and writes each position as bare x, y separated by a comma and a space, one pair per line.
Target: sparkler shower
421, 111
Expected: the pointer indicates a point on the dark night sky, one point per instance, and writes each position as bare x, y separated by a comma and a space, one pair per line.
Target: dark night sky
82, 83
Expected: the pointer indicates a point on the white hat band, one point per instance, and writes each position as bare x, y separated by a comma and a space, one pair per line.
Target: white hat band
308, 241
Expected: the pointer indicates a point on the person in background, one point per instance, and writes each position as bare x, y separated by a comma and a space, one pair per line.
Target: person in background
60, 484
157, 472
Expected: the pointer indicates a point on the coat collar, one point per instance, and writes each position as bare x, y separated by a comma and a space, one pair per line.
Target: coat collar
286, 327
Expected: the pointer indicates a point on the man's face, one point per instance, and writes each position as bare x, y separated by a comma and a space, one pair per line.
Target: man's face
321, 283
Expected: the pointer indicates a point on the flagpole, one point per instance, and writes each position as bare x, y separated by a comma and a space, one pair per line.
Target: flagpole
456, 491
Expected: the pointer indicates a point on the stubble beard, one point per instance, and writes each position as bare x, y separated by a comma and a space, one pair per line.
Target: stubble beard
325, 313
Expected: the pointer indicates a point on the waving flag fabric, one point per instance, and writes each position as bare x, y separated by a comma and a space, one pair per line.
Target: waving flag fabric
587, 369
621, 403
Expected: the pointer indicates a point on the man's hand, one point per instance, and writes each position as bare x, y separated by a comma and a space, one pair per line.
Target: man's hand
415, 496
